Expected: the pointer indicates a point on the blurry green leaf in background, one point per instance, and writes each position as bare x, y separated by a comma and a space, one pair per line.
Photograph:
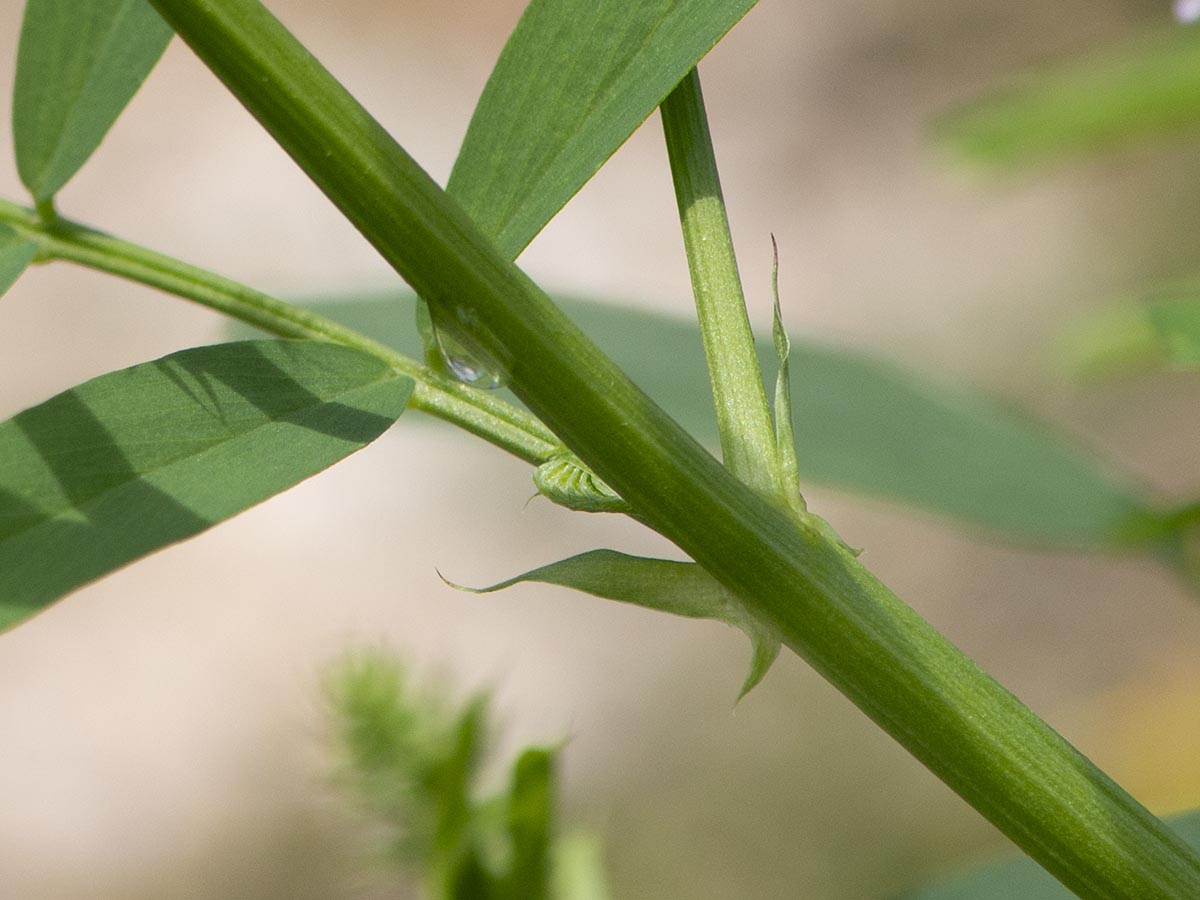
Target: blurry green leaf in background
413, 759
1161, 332
1144, 87
1023, 879
866, 426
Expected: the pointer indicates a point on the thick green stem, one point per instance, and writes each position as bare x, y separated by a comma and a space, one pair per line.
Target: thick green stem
478, 412
743, 417
971, 732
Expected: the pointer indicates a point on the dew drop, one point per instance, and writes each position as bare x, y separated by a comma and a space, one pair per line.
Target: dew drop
1187, 11
464, 365
463, 357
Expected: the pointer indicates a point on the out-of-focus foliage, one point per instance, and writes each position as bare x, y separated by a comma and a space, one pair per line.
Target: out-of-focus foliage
413, 758
1161, 333
1148, 86
1023, 879
866, 426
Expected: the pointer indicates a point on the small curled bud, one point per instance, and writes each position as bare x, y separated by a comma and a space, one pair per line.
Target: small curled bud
570, 483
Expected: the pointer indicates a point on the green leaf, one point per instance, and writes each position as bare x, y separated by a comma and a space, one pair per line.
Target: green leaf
451, 780
1176, 324
578, 869
135, 460
1148, 86
873, 428
1023, 879
78, 65
16, 253
679, 588
1162, 332
531, 824
576, 78
867, 426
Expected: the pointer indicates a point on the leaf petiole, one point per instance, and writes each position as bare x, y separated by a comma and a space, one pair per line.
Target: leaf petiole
743, 416
479, 412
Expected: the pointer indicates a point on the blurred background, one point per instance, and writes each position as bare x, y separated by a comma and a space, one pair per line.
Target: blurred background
163, 730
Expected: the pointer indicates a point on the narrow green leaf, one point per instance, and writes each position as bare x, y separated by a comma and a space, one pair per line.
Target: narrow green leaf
134, 460
78, 65
469, 879
1148, 86
578, 869
16, 253
450, 779
531, 824
1115, 342
871, 427
867, 426
679, 588
575, 79
1161, 332
1023, 879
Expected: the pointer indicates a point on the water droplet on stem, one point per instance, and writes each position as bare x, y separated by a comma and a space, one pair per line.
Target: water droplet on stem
463, 356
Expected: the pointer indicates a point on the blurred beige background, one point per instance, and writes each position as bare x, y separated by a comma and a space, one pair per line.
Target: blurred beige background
162, 730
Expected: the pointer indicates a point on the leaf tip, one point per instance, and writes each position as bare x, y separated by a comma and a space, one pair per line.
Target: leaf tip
766, 649
467, 589
459, 587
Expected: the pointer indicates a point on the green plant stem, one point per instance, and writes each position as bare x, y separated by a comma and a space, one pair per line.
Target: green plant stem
476, 411
743, 417
46, 211
971, 732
